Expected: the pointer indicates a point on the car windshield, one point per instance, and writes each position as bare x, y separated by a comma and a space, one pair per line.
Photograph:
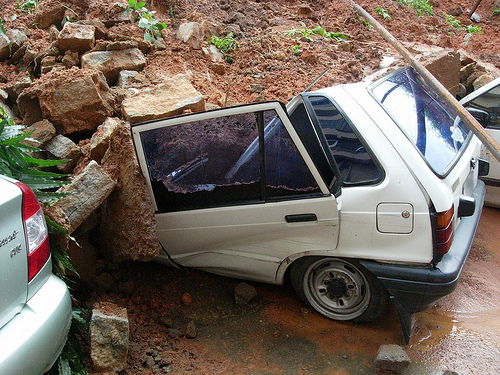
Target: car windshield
427, 120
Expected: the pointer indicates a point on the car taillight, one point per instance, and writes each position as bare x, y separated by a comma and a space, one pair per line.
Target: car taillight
443, 222
37, 235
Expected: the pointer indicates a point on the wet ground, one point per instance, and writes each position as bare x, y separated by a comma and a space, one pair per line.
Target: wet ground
276, 334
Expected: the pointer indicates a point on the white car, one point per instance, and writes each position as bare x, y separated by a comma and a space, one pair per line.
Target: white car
35, 306
357, 193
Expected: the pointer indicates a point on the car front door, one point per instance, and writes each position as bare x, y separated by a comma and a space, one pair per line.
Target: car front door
235, 191
484, 105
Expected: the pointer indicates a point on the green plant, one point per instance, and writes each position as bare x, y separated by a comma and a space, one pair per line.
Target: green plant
318, 30
29, 6
296, 50
420, 6
383, 12
225, 45
471, 29
496, 11
367, 24
152, 27
451, 20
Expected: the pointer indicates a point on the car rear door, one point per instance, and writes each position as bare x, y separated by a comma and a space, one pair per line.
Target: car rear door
235, 190
484, 105
13, 266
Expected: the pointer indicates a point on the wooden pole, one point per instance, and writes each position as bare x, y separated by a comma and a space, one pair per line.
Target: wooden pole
474, 7
466, 117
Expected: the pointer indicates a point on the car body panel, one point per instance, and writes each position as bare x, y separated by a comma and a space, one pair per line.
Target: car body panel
13, 270
31, 342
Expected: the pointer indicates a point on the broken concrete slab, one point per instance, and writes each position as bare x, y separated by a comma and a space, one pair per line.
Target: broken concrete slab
392, 358
74, 100
128, 227
76, 37
109, 337
170, 98
62, 147
110, 63
86, 192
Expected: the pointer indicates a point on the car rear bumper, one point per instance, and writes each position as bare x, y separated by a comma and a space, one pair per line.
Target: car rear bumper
417, 288
31, 342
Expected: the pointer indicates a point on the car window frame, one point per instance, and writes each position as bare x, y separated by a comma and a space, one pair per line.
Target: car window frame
282, 114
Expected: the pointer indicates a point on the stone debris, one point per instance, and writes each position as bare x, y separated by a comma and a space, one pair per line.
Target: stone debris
170, 98
76, 37
110, 63
62, 147
244, 293
392, 358
17, 38
191, 33
42, 131
87, 192
109, 337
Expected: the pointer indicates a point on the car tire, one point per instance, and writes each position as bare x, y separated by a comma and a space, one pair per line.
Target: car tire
339, 289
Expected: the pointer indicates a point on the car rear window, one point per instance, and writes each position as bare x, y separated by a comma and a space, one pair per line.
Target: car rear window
426, 119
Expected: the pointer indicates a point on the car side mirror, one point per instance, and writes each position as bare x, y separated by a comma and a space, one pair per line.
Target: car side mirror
480, 115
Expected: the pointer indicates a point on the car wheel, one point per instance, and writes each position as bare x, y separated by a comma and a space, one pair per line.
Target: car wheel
338, 289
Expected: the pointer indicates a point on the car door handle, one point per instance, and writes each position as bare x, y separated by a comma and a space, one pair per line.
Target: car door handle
298, 218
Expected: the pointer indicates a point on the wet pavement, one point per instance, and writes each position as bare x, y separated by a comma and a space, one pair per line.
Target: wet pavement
276, 334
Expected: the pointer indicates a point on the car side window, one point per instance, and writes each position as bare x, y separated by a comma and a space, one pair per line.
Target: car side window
486, 107
217, 161
355, 164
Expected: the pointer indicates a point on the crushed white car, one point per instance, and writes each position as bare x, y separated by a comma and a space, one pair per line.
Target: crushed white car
357, 193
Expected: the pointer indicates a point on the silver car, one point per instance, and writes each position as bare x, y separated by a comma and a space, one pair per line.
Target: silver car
35, 306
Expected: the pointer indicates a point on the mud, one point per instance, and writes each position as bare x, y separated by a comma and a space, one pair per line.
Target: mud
276, 334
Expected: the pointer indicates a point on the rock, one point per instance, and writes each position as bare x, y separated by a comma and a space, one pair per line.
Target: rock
109, 332
190, 330
49, 13
128, 227
130, 78
476, 17
174, 333
100, 139
101, 32
421, 368
482, 80
110, 63
187, 299
444, 65
87, 191
391, 358
17, 38
62, 147
73, 100
213, 52
49, 63
15, 88
191, 33
163, 100
244, 293
70, 59
43, 131
76, 37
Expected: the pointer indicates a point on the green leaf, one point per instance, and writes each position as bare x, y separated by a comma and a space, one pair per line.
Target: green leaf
3, 33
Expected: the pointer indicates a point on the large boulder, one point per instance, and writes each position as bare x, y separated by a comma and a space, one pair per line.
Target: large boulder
170, 98
73, 100
110, 63
128, 227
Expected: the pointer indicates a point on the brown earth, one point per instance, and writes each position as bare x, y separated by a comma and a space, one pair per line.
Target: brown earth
261, 338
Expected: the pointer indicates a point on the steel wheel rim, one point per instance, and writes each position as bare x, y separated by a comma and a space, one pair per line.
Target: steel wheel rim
337, 289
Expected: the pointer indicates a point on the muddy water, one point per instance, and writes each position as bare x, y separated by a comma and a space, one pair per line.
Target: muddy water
276, 334
462, 331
